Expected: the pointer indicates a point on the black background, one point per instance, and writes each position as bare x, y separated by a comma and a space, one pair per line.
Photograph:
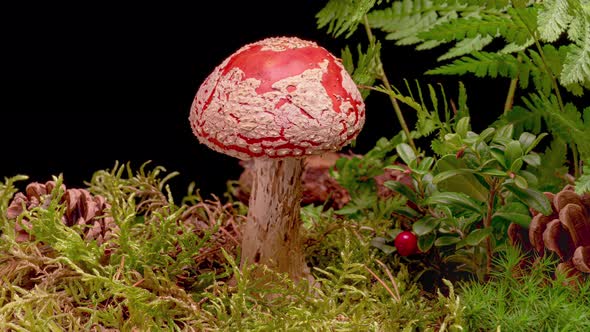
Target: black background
83, 87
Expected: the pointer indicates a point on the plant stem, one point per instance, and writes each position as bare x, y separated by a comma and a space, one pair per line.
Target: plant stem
385, 80
511, 91
575, 160
510, 97
545, 65
487, 222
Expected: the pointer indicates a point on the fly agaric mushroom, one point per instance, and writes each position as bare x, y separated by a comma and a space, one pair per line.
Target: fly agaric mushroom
276, 101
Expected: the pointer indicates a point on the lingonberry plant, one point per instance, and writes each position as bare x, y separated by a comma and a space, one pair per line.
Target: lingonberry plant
467, 195
468, 187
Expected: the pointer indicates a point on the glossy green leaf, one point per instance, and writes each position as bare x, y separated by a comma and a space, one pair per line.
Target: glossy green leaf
381, 243
402, 189
487, 133
512, 152
516, 165
460, 244
504, 133
425, 242
426, 164
499, 156
521, 182
493, 172
405, 152
515, 217
446, 241
463, 183
535, 142
395, 167
425, 225
478, 235
532, 159
526, 140
532, 198
450, 173
406, 211
454, 198
489, 163
462, 126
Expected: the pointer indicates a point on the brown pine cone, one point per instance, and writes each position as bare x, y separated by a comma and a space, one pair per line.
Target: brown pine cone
81, 208
566, 232
219, 225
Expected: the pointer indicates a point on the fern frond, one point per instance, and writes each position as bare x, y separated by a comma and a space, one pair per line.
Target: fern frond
580, 10
429, 107
466, 46
537, 69
583, 182
367, 67
481, 64
513, 47
570, 126
514, 26
467, 27
343, 16
576, 68
567, 124
522, 120
551, 172
406, 19
554, 18
526, 66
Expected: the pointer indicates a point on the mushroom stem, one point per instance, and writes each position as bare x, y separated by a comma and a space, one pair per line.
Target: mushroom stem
271, 234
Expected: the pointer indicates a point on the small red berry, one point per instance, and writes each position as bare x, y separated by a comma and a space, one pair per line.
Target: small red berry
406, 243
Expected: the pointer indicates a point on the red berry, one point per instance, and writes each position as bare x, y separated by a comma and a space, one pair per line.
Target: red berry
406, 243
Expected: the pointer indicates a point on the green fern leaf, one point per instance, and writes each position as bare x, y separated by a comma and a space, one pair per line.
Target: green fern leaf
541, 79
404, 20
428, 45
576, 68
366, 70
463, 109
524, 23
467, 27
553, 166
580, 10
397, 16
343, 16
513, 26
466, 46
481, 64
570, 126
554, 18
522, 120
497, 4
513, 47
583, 182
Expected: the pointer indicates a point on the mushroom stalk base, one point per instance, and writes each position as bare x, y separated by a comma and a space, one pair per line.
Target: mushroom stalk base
271, 234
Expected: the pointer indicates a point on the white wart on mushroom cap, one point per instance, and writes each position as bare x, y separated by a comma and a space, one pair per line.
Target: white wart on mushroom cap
279, 97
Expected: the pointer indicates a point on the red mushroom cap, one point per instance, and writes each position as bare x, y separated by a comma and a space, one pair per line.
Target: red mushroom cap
278, 97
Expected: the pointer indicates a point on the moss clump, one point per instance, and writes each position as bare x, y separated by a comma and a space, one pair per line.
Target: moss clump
173, 267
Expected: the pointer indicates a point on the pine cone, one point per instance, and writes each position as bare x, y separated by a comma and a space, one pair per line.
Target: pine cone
219, 224
81, 208
566, 232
